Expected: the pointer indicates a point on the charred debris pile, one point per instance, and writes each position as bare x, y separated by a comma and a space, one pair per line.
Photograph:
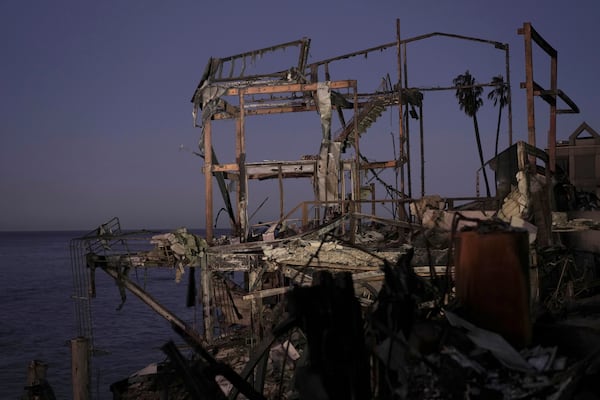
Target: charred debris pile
491, 297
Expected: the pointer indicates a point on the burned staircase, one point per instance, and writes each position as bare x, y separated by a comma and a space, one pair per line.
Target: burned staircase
369, 113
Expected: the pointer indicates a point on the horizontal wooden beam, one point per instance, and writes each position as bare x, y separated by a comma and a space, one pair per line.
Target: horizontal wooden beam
549, 96
267, 111
288, 87
379, 164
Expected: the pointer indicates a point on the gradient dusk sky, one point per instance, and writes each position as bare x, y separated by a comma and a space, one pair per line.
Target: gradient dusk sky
95, 112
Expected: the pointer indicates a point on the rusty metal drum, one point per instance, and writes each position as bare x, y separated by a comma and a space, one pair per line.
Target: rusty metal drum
492, 281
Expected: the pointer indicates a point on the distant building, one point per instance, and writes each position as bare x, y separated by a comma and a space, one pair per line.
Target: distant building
579, 158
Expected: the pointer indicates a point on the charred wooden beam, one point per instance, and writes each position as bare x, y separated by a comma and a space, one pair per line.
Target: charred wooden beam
154, 304
288, 87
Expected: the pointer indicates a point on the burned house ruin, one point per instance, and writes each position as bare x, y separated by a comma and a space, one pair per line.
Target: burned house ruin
333, 290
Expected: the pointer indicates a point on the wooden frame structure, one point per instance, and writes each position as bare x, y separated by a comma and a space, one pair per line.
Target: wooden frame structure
534, 89
225, 91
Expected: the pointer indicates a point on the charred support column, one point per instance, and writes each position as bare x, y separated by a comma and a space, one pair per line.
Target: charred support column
280, 181
80, 371
508, 94
240, 157
254, 284
526, 32
422, 143
205, 282
373, 197
357, 181
400, 108
552, 126
352, 206
208, 189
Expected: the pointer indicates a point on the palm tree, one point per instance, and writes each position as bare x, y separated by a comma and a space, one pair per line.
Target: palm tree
469, 100
499, 96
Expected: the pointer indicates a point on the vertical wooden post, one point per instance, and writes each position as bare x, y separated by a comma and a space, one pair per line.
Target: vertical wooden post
551, 164
526, 32
552, 129
422, 139
280, 178
80, 372
208, 190
256, 306
357, 182
372, 187
406, 125
355, 199
343, 189
400, 108
205, 276
36, 371
240, 156
37, 387
508, 95
305, 214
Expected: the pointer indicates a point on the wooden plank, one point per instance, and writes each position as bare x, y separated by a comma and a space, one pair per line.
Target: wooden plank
291, 87
269, 168
379, 164
260, 294
225, 168
342, 267
268, 110
281, 110
296, 275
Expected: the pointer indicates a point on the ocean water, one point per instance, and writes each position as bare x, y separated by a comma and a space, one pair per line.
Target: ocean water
37, 316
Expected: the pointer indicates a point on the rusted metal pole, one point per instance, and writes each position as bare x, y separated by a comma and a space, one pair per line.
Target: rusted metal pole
208, 188
80, 368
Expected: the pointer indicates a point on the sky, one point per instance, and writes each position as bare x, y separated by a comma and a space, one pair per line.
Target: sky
95, 112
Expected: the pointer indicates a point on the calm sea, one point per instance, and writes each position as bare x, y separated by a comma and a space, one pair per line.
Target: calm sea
37, 316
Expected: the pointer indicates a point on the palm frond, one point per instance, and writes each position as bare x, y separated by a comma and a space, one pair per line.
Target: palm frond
468, 93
